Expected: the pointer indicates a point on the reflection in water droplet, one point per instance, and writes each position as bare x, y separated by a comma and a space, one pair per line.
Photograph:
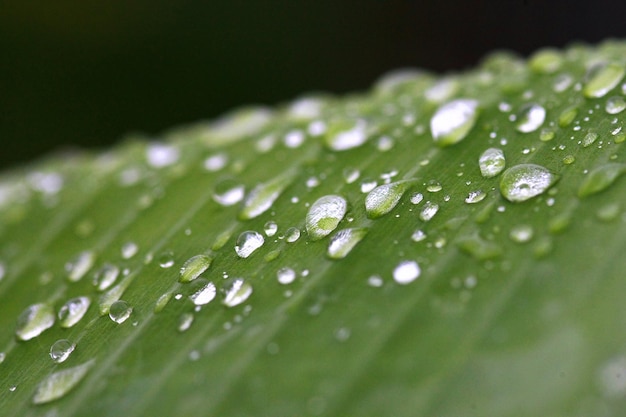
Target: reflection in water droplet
61, 350
120, 311
521, 233
248, 242
261, 198
522, 182
615, 105
286, 275
491, 162
342, 242
79, 265
194, 267
428, 211
406, 272
204, 295
604, 80
166, 259
589, 139
433, 186
270, 228
238, 292
185, 321
73, 311
452, 122
228, 192
34, 320
601, 178
58, 384
324, 215
105, 276
292, 234
129, 249
475, 197
530, 118
382, 199
417, 198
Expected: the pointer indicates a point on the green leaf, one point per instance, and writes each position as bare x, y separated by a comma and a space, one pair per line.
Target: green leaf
366, 255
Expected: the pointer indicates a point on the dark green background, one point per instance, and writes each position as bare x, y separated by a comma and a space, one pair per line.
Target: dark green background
83, 73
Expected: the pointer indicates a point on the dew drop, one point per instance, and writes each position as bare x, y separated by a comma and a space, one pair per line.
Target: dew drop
2, 356
105, 276
452, 122
478, 248
604, 80
185, 321
56, 385
286, 275
491, 162
442, 90
166, 259
324, 215
567, 116
194, 267
589, 139
418, 235
406, 272
382, 199
428, 211
546, 134
261, 198
162, 302
204, 295
601, 178
475, 197
120, 311
375, 281
530, 118
522, 233
342, 135
350, 175
73, 311
160, 155
368, 185
236, 293
608, 212
270, 228
342, 242
562, 82
433, 186
80, 265
215, 162
546, 61
416, 198
228, 192
615, 105
61, 350
248, 242
292, 234
522, 182
33, 321
129, 249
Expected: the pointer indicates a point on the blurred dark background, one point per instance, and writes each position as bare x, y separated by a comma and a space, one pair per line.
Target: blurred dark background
83, 73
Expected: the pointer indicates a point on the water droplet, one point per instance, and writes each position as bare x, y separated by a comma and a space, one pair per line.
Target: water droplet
615, 105
58, 384
416, 198
375, 281
428, 211
562, 82
589, 139
228, 192
194, 267
80, 265
261, 198
368, 185
384, 143
491, 162
292, 234
608, 212
433, 186
238, 292
475, 197
270, 228
406, 272
222, 239
162, 302
73, 311
418, 235
248, 242
452, 122
350, 175
442, 90
478, 248
604, 80
546, 61
160, 155
271, 255
601, 178
286, 275
530, 118
120, 311
522, 182
129, 249
2, 356
342, 242
185, 321
294, 138
382, 199
61, 350
612, 377
215, 162
166, 259
521, 233
33, 321
204, 295
567, 116
342, 135
105, 276
324, 215
236, 125
546, 134
569, 159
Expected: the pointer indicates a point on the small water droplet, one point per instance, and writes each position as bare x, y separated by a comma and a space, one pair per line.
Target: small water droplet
416, 198
479, 248
569, 159
546, 134
312, 182
215, 162
33, 321
601, 178
342, 334
286, 275
59, 383
589, 139
80, 265
261, 198
120, 311
491, 162
604, 80
166, 259
567, 116
228, 192
384, 143
562, 82
236, 293
204, 295
418, 235
442, 90
185, 321
342, 242
530, 118
406, 272
428, 211
61, 350
350, 175
546, 61
522, 182
612, 377
162, 302
433, 186
382, 199
105, 276
248, 242
129, 249
452, 122
608, 212
160, 155
324, 215
368, 185
73, 311
294, 139
615, 105
270, 228
342, 135
522, 233
375, 281
194, 267
475, 197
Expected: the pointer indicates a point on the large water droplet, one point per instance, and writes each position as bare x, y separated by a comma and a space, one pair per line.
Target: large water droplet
60, 383
292, 234
406, 272
324, 215
34, 320
522, 182
228, 192
452, 122
248, 242
105, 276
428, 211
604, 80
261, 198
194, 267
237, 292
491, 162
478, 248
382, 199
601, 178
204, 295
343, 135
342, 242
61, 350
120, 311
73, 311
530, 118
79, 265
286, 275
